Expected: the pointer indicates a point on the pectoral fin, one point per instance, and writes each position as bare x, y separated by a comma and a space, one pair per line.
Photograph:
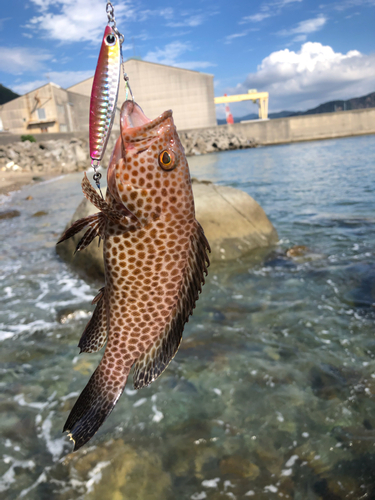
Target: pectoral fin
91, 194
80, 224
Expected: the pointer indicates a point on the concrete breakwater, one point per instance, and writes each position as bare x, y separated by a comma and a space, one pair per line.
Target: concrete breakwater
60, 153
306, 127
69, 154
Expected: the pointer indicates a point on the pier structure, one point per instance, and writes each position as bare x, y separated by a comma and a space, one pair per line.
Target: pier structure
252, 95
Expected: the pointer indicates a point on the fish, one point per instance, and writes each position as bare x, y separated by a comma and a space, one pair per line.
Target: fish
155, 261
104, 93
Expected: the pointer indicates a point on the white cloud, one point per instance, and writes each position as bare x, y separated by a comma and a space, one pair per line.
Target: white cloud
268, 9
194, 65
23, 88
17, 60
76, 20
305, 27
256, 18
348, 4
313, 75
230, 38
63, 78
189, 21
170, 55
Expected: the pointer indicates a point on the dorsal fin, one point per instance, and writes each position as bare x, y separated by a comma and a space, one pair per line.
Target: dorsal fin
153, 362
95, 334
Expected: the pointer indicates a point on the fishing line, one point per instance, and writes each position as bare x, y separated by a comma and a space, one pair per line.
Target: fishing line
112, 22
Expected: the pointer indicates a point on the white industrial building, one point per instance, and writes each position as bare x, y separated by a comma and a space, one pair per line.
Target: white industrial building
156, 88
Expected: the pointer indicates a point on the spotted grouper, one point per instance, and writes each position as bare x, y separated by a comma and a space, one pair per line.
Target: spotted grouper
155, 259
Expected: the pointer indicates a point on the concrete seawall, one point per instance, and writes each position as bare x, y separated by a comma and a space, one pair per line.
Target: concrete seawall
268, 132
307, 127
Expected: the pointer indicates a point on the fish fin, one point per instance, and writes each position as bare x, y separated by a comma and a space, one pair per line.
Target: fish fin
91, 194
98, 296
95, 403
80, 224
96, 229
95, 334
151, 364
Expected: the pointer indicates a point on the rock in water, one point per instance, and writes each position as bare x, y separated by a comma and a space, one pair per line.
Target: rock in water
234, 224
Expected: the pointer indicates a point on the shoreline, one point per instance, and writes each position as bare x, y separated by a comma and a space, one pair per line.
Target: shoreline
15, 181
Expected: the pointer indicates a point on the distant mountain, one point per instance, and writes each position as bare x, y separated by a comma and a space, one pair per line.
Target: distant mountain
6, 94
367, 101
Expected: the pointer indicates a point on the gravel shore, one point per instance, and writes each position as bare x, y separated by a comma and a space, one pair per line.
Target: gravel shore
26, 162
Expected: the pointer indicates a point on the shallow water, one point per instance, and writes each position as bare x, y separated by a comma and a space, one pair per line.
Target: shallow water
272, 392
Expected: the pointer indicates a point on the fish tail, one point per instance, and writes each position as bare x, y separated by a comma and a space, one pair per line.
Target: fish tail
96, 402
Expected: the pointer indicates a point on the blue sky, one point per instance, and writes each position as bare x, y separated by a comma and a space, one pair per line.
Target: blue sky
301, 51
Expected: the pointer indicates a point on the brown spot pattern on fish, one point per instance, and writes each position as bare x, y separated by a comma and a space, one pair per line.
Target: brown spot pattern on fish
155, 257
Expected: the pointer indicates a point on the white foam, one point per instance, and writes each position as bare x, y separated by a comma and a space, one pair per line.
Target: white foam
41, 479
70, 395
34, 326
286, 472
54, 446
280, 416
9, 477
8, 292
271, 488
199, 496
95, 475
22, 402
158, 414
140, 402
228, 484
130, 392
292, 461
211, 483
5, 335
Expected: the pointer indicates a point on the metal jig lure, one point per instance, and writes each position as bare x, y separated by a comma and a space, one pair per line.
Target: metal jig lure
105, 89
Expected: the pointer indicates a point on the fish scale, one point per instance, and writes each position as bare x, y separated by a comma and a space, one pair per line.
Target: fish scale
155, 260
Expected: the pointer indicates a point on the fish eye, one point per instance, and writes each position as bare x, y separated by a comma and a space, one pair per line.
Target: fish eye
167, 160
110, 39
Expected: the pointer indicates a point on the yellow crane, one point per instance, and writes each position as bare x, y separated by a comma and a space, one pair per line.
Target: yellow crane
252, 95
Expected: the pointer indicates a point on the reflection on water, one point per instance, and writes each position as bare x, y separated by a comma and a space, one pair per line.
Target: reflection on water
272, 392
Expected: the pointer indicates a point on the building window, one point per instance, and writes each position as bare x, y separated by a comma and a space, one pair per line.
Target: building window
60, 109
41, 114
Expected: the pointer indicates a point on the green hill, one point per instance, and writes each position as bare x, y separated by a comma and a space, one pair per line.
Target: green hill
366, 101
6, 94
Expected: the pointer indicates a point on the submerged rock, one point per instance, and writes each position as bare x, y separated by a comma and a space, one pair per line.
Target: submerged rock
234, 224
9, 214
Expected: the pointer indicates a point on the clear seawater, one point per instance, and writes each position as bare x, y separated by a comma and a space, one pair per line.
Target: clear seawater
272, 393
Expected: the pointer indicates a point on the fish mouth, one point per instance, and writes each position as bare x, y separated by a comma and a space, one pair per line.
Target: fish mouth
136, 127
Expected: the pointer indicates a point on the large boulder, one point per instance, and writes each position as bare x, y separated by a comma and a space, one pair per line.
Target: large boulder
234, 224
